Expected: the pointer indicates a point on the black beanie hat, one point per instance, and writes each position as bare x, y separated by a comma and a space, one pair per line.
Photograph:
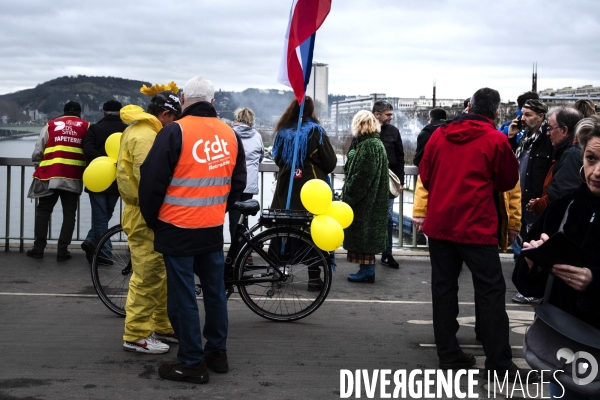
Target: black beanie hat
112, 105
72, 107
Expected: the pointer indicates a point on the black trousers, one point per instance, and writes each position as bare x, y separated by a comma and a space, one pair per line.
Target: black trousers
46, 204
490, 291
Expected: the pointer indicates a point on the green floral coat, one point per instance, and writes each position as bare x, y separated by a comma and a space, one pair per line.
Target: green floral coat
366, 190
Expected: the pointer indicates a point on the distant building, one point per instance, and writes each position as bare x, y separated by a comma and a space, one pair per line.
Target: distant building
343, 111
318, 87
568, 95
35, 115
422, 102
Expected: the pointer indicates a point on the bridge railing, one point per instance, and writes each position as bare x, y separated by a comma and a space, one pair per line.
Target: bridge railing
18, 212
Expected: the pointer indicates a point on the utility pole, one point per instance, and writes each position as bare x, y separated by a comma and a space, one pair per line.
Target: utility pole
433, 94
534, 78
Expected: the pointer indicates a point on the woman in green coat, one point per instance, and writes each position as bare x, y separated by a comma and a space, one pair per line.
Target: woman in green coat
366, 190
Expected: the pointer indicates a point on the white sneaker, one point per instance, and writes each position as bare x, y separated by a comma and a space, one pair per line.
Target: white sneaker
148, 345
165, 337
519, 298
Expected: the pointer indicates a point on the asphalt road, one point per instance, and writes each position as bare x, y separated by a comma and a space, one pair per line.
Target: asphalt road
58, 341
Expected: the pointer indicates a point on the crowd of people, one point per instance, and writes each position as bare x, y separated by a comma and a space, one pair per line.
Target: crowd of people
480, 189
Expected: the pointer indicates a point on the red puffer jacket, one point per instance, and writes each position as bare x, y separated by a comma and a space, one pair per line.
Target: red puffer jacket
464, 162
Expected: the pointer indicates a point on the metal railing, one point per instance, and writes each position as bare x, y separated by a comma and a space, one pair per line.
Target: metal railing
19, 215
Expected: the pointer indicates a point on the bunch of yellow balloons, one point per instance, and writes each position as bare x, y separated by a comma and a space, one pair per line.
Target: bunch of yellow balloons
331, 217
102, 171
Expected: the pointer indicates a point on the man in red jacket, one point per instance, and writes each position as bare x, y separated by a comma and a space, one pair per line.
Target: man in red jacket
464, 162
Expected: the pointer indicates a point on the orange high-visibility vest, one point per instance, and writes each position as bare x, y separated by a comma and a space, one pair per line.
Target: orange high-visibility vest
63, 155
197, 194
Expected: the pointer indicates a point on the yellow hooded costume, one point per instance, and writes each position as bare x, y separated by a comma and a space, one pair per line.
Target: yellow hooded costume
146, 307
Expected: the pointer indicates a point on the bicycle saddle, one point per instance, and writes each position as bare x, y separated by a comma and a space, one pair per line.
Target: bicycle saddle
248, 207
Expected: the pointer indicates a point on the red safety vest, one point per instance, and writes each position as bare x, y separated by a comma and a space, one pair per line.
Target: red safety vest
63, 155
197, 194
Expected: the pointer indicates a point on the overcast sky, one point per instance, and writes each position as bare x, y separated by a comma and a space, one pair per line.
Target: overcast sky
397, 47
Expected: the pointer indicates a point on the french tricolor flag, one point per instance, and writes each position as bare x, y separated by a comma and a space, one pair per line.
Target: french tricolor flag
306, 16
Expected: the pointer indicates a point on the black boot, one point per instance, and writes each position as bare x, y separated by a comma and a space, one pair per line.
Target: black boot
315, 283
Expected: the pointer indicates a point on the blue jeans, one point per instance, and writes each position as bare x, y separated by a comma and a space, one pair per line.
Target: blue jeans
388, 250
527, 219
103, 205
182, 305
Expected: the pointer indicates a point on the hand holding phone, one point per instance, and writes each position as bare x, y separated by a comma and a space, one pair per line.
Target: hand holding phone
515, 127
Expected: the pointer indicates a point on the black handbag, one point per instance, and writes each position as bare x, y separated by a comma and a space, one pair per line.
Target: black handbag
557, 340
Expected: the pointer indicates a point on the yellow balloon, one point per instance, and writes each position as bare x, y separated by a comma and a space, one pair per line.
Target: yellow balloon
316, 196
341, 212
98, 176
112, 145
326, 232
103, 158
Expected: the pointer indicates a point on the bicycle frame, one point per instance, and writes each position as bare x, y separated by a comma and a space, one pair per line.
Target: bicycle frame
273, 286
244, 237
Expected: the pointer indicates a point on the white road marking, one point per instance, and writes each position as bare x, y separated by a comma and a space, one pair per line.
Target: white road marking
468, 346
236, 298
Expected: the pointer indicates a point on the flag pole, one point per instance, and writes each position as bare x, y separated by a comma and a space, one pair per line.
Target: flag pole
295, 159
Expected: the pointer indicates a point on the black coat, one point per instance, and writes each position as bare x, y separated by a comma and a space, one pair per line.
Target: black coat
156, 173
93, 143
390, 136
538, 165
531, 282
320, 161
423, 138
568, 160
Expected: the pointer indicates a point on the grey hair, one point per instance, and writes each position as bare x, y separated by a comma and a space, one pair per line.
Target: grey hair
244, 115
485, 102
566, 116
381, 106
587, 129
198, 89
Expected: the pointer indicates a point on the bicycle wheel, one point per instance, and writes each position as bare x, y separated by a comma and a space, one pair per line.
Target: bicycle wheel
111, 269
297, 291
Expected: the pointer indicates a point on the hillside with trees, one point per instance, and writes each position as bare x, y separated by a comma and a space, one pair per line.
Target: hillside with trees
91, 92
47, 99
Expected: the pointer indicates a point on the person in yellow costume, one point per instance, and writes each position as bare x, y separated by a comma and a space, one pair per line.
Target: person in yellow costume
147, 325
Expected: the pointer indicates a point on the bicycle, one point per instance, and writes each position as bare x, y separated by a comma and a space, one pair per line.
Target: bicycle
279, 273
